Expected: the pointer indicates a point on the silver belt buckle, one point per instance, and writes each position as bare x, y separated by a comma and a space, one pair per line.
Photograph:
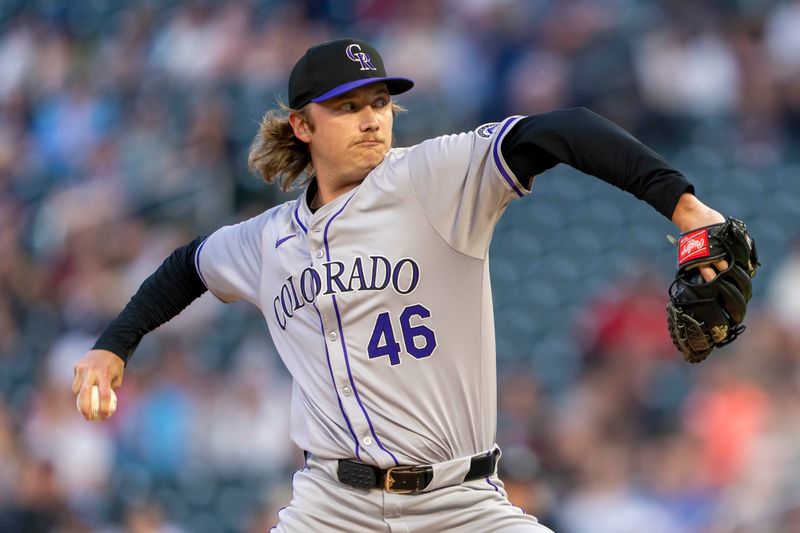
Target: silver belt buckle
389, 479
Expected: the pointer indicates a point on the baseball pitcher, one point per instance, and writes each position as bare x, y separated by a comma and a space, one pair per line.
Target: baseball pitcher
374, 283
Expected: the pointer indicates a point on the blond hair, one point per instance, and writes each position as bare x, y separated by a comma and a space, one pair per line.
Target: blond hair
277, 155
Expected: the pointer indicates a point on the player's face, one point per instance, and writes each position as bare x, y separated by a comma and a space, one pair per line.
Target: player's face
350, 136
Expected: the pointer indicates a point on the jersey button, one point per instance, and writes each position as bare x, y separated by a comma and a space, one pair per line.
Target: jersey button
333, 336
320, 253
366, 441
346, 391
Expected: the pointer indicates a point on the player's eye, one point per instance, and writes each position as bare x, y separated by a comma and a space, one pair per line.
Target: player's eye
380, 102
347, 106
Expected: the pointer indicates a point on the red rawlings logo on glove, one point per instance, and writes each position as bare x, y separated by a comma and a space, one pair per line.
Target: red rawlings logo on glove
692, 246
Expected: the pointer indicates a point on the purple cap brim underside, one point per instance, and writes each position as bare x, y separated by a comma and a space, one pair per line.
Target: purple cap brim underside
349, 86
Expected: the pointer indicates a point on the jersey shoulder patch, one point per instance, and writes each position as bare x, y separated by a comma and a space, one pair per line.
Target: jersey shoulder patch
487, 130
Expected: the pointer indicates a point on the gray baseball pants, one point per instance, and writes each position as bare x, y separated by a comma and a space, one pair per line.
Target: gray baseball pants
320, 503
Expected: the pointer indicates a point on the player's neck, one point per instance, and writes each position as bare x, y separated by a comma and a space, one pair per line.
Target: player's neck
327, 192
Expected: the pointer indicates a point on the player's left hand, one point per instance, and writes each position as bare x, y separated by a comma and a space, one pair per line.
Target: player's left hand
690, 214
706, 313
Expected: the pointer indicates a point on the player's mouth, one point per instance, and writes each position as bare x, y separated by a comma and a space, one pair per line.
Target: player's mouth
370, 142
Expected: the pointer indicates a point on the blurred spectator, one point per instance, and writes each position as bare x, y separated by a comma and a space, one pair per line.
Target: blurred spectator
725, 414
148, 518
245, 419
157, 432
605, 501
672, 474
783, 42
784, 290
38, 503
627, 319
686, 73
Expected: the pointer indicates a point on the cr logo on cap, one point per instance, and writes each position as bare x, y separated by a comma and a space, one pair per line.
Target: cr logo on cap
355, 54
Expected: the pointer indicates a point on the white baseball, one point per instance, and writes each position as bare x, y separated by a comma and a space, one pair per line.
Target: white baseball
95, 403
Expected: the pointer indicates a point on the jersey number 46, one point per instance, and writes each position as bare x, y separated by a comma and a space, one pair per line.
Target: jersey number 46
419, 340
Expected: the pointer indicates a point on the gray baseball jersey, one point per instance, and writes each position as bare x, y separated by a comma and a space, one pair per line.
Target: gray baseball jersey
379, 303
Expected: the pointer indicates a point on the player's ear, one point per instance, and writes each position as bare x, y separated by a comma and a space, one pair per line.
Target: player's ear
300, 127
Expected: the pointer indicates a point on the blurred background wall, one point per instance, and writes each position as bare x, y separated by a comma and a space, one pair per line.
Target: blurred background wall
124, 129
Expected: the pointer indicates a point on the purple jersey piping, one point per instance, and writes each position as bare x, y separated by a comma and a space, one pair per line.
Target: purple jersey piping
496, 154
197, 262
333, 381
490, 452
296, 217
344, 344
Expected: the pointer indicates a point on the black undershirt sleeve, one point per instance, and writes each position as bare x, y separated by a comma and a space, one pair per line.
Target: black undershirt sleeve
592, 144
160, 298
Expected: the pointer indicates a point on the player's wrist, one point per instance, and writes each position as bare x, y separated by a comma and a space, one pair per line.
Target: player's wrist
690, 213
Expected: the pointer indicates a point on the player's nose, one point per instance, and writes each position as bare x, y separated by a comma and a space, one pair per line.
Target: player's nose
369, 119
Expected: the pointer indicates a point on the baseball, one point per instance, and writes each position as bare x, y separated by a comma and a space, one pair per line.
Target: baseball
95, 405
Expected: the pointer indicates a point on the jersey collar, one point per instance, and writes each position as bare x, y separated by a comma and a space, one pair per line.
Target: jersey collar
302, 215
302, 212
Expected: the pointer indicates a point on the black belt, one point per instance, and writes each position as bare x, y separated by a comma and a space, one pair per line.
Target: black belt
407, 479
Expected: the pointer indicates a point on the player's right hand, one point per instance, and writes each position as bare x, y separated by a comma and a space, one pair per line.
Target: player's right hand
101, 368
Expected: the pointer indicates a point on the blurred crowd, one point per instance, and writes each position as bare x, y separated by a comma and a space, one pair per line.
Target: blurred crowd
124, 129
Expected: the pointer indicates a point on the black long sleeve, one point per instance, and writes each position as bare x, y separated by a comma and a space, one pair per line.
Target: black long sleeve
596, 146
160, 298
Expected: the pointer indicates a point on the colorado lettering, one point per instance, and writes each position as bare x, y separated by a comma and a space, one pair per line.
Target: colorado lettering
373, 273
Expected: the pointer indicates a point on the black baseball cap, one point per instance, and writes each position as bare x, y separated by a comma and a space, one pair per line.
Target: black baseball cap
335, 67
